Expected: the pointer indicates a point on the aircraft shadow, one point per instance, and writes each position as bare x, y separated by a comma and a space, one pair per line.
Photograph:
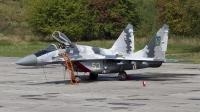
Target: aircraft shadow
193, 68
36, 67
131, 77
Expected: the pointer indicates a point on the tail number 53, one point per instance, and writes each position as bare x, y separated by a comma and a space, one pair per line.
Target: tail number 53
95, 66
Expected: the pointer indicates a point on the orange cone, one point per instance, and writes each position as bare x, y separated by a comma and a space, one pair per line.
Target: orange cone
128, 78
143, 83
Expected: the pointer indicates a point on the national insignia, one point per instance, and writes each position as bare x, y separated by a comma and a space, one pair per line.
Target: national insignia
158, 39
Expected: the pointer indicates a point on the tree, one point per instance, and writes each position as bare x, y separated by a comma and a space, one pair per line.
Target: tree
81, 19
111, 16
181, 15
148, 14
68, 16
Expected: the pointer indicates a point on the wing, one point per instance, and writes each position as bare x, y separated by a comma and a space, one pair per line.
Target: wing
84, 56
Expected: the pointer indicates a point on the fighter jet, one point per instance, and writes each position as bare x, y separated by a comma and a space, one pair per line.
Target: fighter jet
95, 60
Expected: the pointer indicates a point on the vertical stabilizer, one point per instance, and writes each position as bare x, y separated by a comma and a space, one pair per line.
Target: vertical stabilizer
125, 42
157, 46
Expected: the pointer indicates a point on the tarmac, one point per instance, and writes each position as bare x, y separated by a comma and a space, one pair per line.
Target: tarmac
173, 87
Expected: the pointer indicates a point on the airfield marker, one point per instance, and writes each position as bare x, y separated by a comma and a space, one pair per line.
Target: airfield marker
128, 78
143, 83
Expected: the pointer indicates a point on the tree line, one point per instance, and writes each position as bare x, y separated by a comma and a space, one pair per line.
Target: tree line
101, 19
183, 16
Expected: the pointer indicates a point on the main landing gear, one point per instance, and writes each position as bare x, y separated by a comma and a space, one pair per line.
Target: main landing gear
122, 76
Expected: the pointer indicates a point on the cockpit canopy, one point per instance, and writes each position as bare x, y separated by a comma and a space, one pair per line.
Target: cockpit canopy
50, 48
61, 38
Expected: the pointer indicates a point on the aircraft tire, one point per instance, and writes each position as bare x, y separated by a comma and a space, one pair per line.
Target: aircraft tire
122, 76
78, 78
93, 76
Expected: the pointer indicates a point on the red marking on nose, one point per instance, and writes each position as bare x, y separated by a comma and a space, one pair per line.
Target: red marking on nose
82, 67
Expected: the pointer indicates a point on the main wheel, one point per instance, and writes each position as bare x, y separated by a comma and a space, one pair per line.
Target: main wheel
122, 76
93, 76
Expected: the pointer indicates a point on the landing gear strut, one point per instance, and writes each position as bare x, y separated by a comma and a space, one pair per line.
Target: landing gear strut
122, 76
93, 76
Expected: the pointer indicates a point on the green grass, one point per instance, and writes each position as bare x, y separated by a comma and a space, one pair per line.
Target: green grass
9, 49
12, 17
178, 50
17, 49
187, 57
181, 48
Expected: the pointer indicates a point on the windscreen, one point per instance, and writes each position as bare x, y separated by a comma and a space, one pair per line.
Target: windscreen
50, 48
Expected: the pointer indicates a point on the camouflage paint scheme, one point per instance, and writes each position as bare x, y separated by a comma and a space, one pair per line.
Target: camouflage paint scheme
96, 60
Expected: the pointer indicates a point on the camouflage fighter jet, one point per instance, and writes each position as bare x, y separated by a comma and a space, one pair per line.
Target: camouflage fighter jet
117, 59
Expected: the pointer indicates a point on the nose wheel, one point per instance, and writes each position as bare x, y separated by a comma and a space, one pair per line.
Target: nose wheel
78, 78
122, 76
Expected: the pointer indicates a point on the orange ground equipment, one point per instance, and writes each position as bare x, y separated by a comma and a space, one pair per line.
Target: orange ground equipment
70, 68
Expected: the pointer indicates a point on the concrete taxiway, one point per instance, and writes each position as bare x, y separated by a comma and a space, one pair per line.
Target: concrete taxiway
170, 88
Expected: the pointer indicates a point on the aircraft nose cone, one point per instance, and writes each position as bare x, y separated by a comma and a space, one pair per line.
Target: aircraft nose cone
30, 60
